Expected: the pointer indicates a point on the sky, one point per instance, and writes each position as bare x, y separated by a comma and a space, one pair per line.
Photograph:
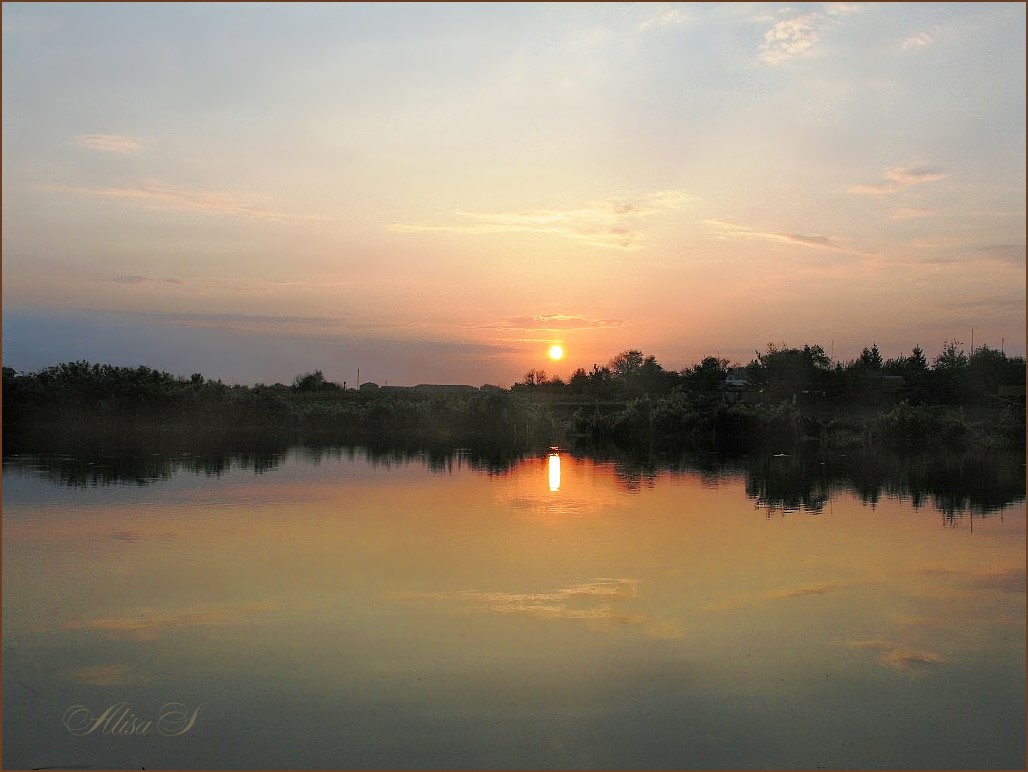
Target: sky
437, 193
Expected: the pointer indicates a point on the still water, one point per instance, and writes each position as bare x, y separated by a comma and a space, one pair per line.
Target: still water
334, 608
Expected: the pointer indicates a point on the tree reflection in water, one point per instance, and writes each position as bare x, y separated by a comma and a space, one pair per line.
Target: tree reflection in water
957, 484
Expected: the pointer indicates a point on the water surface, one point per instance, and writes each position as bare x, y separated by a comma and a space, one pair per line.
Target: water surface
333, 608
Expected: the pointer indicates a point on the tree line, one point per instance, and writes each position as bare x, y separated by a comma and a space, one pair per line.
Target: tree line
953, 377
784, 395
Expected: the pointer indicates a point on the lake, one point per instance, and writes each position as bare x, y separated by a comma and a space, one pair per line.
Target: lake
334, 607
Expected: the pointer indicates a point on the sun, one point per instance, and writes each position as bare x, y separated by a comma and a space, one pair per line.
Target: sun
556, 352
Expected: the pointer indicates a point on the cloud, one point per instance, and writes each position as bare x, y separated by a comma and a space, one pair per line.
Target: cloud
819, 588
109, 143
908, 660
955, 250
899, 178
845, 9
155, 196
1012, 580
730, 230
913, 175
216, 285
911, 660
135, 279
1006, 253
911, 212
992, 302
1005, 580
598, 223
348, 329
811, 241
552, 322
822, 588
798, 37
269, 324
920, 40
873, 645
107, 675
597, 601
790, 39
664, 16
147, 624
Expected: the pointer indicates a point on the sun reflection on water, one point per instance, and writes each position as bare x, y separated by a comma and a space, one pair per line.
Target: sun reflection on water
554, 471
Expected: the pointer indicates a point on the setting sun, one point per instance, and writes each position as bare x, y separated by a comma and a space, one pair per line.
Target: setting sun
556, 352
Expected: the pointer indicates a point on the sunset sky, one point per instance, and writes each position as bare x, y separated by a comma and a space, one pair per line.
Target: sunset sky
439, 193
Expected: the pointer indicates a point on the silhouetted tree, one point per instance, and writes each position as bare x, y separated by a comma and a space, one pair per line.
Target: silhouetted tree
310, 381
707, 376
786, 371
951, 357
626, 364
533, 379
870, 358
579, 383
917, 362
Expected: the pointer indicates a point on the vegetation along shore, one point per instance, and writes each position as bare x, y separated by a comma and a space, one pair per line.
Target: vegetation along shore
784, 396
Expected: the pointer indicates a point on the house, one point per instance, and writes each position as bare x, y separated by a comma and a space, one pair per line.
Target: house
736, 378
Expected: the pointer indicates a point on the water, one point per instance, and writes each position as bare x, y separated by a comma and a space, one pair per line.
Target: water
338, 608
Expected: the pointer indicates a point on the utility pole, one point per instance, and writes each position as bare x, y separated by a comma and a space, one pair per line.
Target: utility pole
358, 379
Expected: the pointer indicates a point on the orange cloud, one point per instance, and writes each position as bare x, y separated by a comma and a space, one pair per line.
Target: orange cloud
156, 196
899, 178
595, 601
730, 230
109, 143
147, 624
599, 223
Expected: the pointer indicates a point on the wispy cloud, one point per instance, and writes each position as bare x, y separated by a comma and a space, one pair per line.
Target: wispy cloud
270, 324
211, 285
1005, 580
908, 660
822, 588
607, 223
943, 250
599, 600
911, 660
819, 588
355, 330
991, 302
913, 175
109, 143
107, 675
845, 9
920, 40
552, 322
911, 212
1006, 253
899, 178
664, 16
873, 645
136, 279
149, 623
156, 196
730, 230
